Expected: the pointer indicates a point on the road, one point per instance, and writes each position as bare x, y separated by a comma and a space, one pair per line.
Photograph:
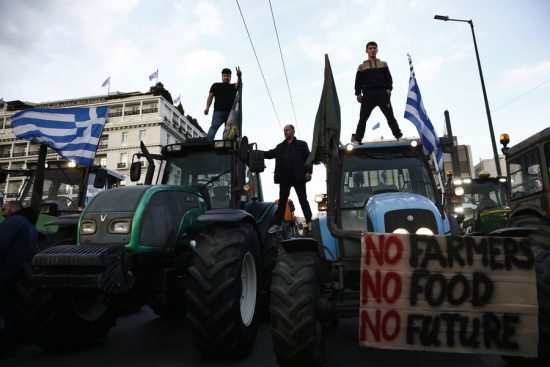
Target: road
144, 340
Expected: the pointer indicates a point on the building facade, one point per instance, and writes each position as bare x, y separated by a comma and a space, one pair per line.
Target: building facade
133, 117
490, 166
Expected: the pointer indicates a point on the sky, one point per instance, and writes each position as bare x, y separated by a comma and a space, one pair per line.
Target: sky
64, 49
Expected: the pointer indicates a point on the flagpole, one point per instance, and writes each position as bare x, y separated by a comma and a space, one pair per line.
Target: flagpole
38, 181
157, 76
109, 86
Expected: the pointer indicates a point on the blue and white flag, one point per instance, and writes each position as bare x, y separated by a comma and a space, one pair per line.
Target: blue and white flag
376, 126
415, 112
154, 75
72, 132
177, 100
106, 82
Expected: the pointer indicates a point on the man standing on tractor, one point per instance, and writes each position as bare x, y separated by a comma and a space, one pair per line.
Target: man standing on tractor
290, 171
373, 86
224, 94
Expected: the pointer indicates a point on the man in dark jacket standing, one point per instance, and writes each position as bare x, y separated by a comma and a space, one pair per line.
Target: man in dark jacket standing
290, 171
373, 86
18, 237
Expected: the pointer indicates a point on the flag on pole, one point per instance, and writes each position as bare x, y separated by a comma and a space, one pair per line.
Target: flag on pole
415, 113
106, 82
154, 75
326, 132
72, 132
234, 122
177, 100
376, 126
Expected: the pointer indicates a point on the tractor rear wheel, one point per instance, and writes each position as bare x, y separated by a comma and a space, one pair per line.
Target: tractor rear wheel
223, 290
70, 320
296, 330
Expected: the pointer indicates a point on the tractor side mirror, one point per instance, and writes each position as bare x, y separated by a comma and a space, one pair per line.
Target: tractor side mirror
256, 161
100, 179
135, 171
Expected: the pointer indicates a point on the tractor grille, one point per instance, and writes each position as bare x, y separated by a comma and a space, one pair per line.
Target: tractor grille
410, 219
72, 255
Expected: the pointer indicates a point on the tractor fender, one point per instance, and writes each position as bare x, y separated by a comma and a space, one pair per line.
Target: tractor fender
226, 216
300, 244
322, 234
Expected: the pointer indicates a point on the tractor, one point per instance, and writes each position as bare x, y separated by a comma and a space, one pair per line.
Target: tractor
195, 244
482, 205
388, 254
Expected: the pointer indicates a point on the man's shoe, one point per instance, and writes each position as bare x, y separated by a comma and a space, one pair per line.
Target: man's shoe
399, 136
274, 228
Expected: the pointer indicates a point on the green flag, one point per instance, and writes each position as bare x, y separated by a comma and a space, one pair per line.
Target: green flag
235, 119
326, 133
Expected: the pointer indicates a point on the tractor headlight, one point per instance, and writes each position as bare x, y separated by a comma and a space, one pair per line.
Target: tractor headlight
87, 226
459, 209
318, 198
457, 182
467, 181
400, 231
120, 226
349, 147
459, 191
424, 231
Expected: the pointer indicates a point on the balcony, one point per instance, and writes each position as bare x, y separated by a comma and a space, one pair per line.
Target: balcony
150, 110
5, 155
19, 154
115, 114
102, 146
133, 112
121, 165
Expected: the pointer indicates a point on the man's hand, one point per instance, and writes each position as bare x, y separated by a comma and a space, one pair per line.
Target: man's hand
239, 73
359, 98
206, 111
308, 176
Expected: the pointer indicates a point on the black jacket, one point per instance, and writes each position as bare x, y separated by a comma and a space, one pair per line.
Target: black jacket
299, 151
372, 75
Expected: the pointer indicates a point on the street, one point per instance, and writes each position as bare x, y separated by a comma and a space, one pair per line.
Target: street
143, 339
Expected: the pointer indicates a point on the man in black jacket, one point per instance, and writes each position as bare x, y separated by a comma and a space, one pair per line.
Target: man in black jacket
290, 170
18, 237
373, 86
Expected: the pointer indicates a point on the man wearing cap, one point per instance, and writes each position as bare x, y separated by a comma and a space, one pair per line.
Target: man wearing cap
224, 94
373, 86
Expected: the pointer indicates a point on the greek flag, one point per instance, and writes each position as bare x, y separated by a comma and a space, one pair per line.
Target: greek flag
415, 113
106, 82
72, 132
376, 126
177, 100
154, 75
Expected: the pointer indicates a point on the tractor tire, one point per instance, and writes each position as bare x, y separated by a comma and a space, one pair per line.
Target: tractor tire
296, 331
224, 290
65, 321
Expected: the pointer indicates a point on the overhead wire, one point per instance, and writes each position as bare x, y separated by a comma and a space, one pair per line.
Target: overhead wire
521, 95
259, 65
284, 67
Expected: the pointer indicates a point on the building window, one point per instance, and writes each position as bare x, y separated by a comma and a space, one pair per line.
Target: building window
124, 138
123, 163
103, 162
142, 135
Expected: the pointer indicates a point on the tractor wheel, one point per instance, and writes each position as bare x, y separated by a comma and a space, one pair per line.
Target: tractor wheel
224, 289
296, 330
70, 320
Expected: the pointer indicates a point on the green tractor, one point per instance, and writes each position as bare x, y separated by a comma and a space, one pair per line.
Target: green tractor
196, 243
480, 204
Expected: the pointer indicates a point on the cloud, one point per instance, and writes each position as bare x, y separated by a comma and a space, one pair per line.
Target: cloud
199, 62
526, 74
428, 68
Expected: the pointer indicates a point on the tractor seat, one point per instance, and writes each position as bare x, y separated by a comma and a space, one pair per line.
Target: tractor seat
220, 197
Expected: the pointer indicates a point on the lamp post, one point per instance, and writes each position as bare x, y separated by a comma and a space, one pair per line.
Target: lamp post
493, 141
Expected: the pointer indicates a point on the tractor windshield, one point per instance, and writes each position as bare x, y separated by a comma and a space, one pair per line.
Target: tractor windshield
485, 194
370, 174
62, 186
203, 169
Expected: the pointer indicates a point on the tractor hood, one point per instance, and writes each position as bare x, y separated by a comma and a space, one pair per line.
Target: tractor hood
389, 211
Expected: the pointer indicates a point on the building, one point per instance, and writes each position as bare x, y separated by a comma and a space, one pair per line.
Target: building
133, 117
489, 166
464, 161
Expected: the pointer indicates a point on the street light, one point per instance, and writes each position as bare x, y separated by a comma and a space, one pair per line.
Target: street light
493, 142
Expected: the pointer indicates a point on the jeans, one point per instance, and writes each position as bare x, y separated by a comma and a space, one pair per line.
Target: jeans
218, 118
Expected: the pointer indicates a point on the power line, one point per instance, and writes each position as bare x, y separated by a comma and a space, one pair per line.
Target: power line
522, 95
258, 61
284, 67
